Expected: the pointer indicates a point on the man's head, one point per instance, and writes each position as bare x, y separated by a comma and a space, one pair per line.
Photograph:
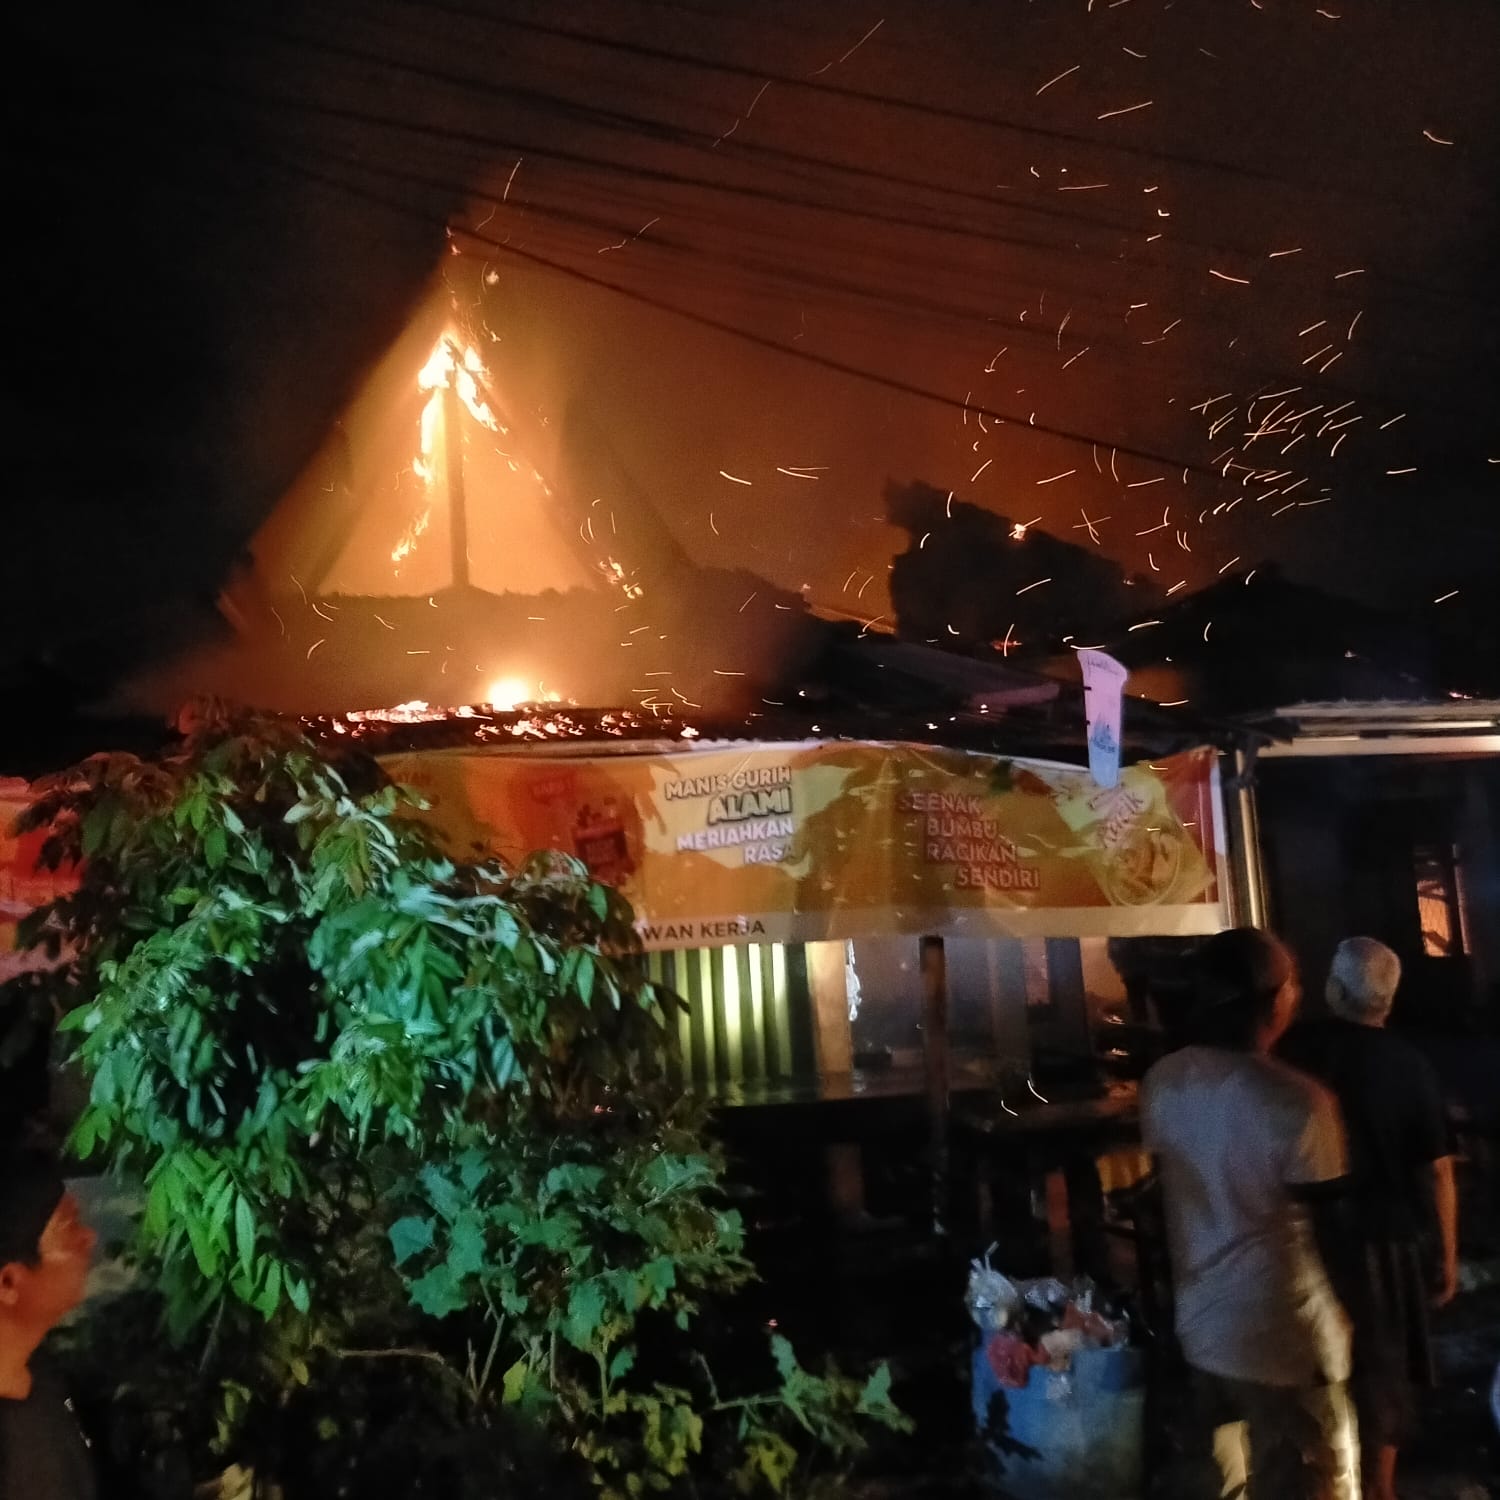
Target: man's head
1362, 981
1245, 990
45, 1248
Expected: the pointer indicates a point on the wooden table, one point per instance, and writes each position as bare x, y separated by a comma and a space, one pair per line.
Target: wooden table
1052, 1150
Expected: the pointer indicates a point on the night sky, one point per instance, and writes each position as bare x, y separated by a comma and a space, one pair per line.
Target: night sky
1213, 281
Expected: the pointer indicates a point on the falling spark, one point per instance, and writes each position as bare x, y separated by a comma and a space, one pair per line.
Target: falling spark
1411, 470
1276, 254
629, 238
733, 478
1443, 598
314, 647
1030, 586
1144, 624
980, 470
1058, 79
1090, 525
1392, 421
1052, 478
1357, 271
1227, 566
506, 194
1129, 109
850, 53
1225, 276
793, 473
1436, 140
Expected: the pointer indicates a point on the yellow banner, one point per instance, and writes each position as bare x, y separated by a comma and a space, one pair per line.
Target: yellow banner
802, 842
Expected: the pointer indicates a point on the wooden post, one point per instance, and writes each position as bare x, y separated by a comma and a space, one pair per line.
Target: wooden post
833, 1048
935, 1055
453, 473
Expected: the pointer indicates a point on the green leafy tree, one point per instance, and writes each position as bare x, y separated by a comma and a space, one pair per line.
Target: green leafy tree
411, 1144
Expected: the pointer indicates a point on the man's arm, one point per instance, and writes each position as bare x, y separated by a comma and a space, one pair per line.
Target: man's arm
1432, 1147
1445, 1203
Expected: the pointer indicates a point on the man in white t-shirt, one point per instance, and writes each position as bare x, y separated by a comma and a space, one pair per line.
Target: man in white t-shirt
1245, 1147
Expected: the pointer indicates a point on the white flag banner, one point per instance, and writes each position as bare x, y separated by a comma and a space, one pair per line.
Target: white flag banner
1103, 701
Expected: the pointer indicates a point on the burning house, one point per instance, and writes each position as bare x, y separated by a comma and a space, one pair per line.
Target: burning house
792, 804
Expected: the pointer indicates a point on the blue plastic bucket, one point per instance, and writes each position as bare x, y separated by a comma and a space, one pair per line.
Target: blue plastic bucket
1073, 1435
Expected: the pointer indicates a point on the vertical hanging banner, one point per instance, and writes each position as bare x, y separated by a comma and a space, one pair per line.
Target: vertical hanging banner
809, 842
1103, 705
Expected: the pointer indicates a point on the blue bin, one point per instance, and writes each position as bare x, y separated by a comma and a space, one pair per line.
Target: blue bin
1075, 1435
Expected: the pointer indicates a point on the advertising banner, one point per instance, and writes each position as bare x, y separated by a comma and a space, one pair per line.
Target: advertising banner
806, 842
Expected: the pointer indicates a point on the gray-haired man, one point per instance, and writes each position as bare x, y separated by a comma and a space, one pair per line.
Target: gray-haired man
1402, 1186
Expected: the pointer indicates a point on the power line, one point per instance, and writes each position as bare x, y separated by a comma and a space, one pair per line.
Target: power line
668, 132
777, 346
671, 132
778, 276
842, 91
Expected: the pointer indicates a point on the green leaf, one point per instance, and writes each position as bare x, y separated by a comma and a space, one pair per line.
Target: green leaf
442, 1193
437, 1293
586, 1313
466, 1247
410, 1236
875, 1401
622, 1363
514, 1382
270, 1296
473, 1168
244, 1232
